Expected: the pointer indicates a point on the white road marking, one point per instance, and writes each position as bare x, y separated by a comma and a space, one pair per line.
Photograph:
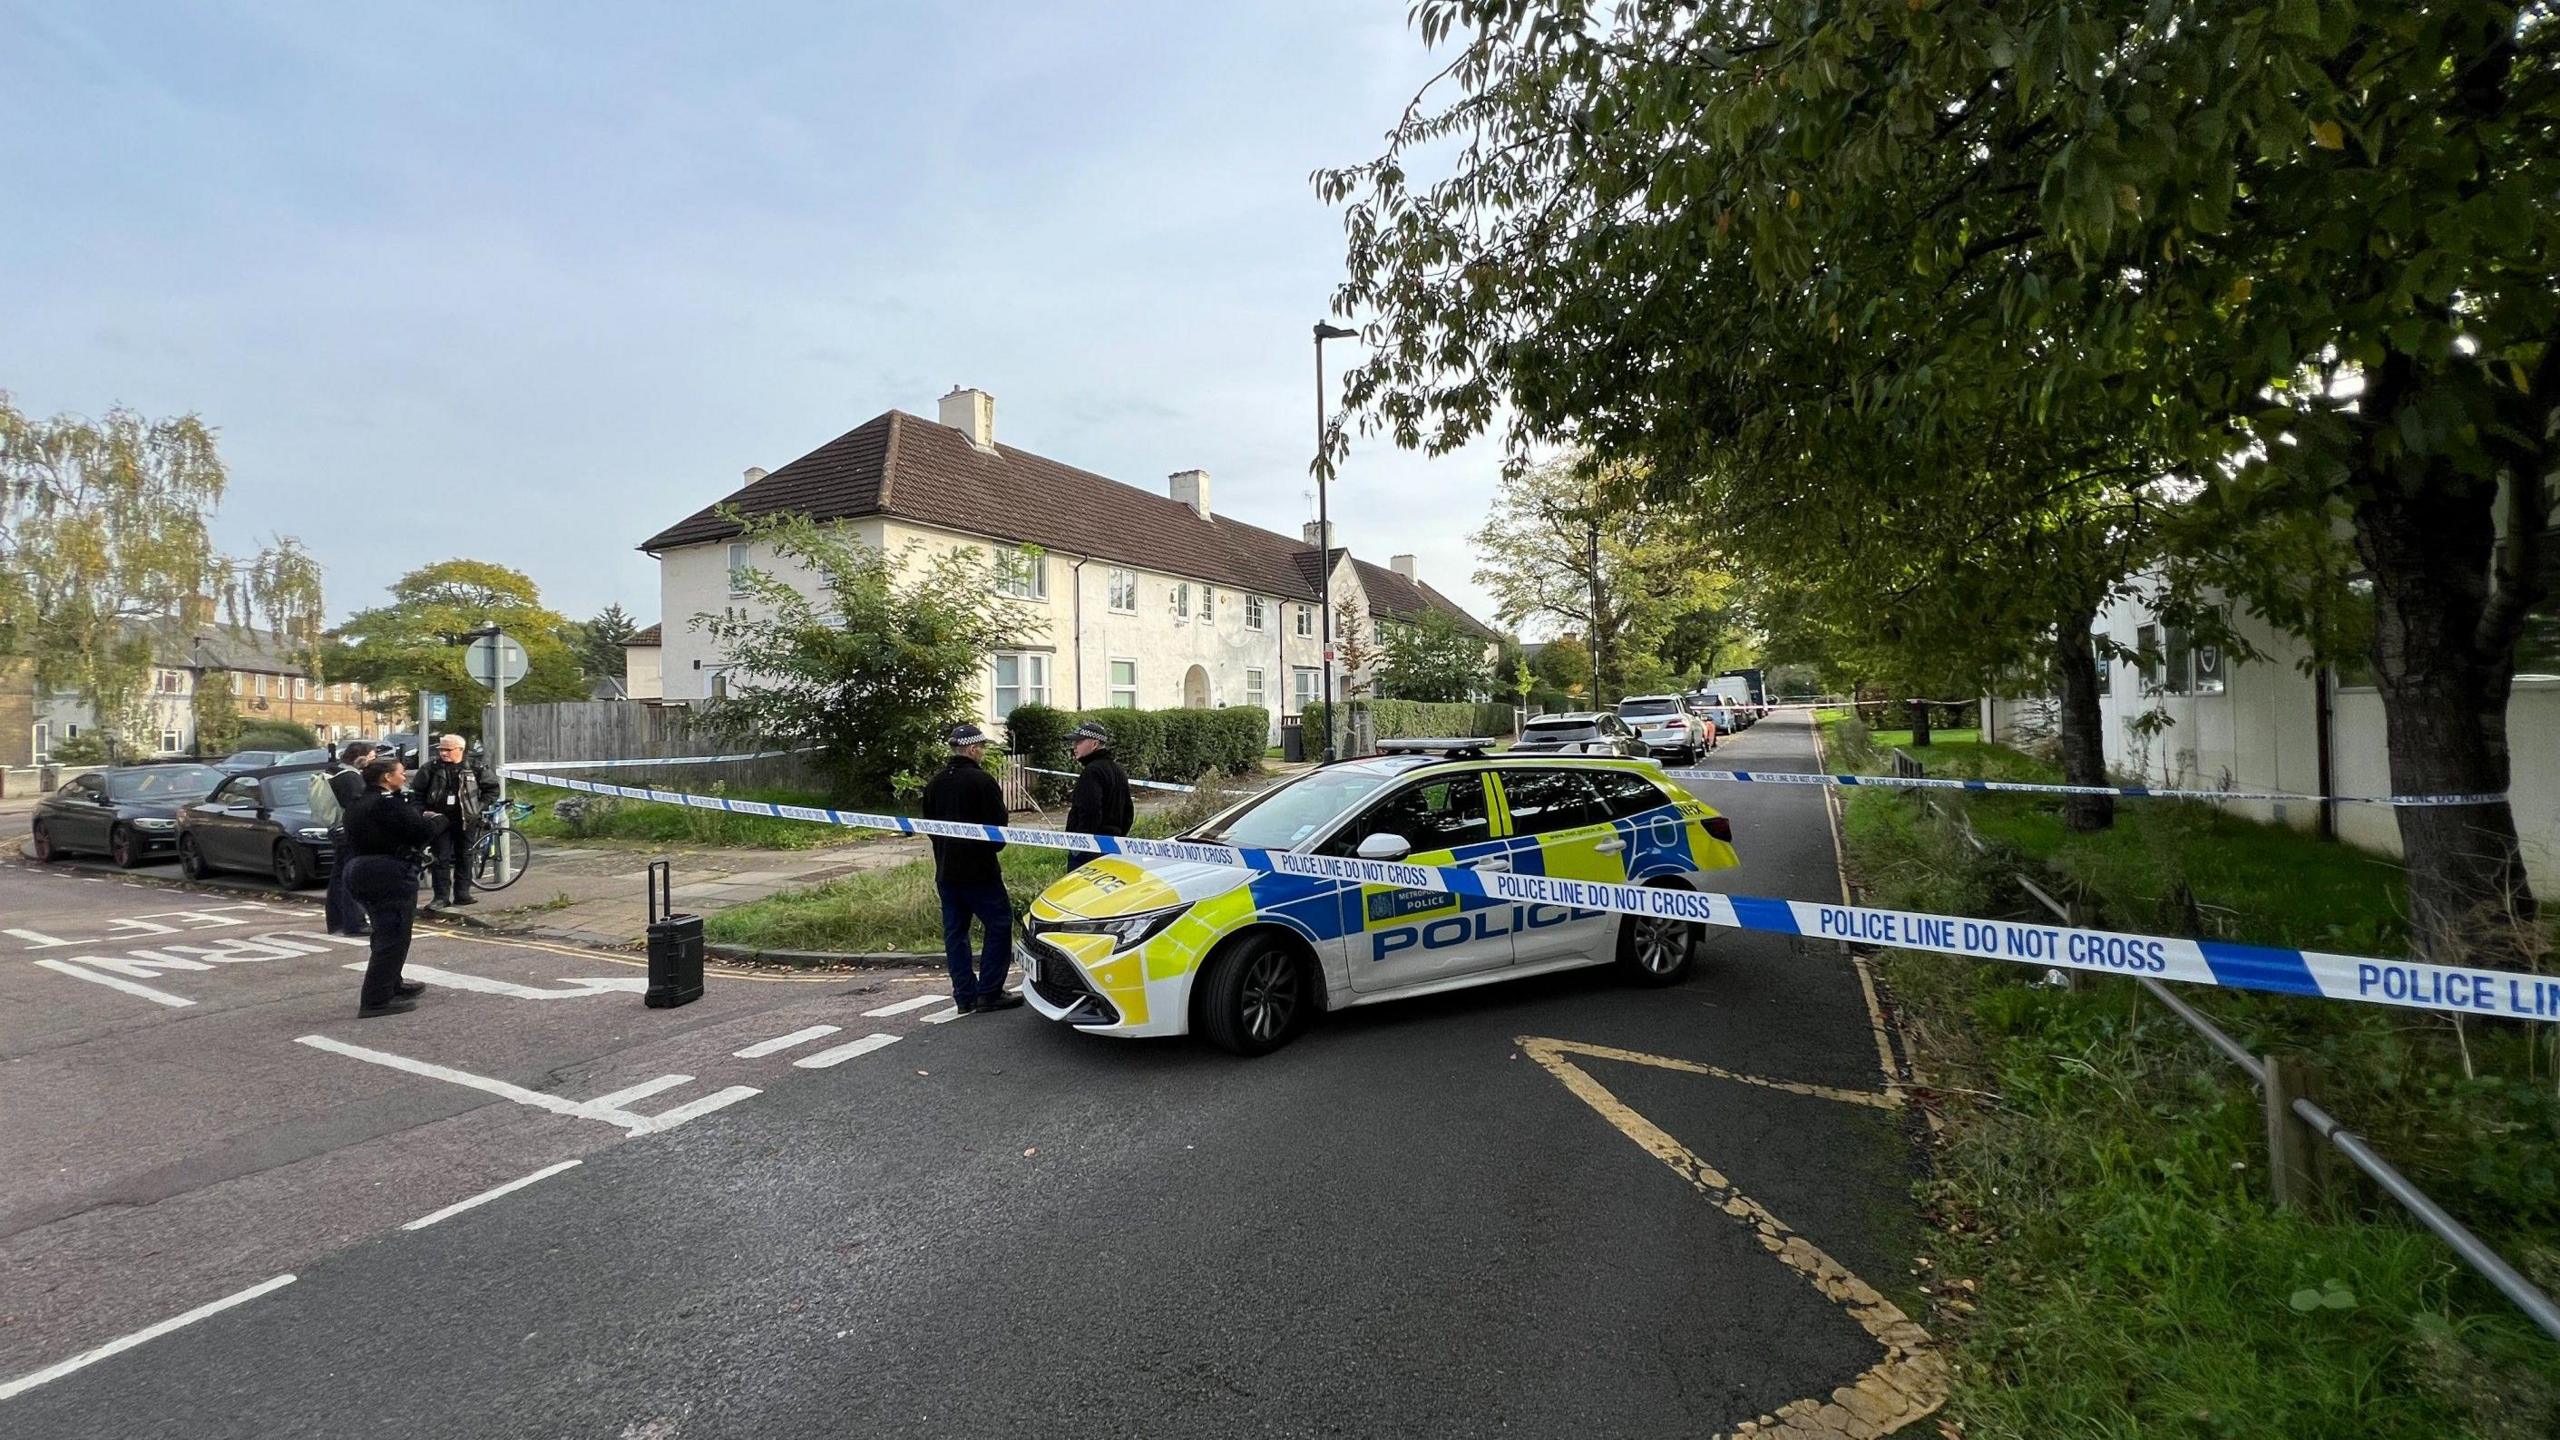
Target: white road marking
485, 1196
606, 1108
37, 939
557, 1105
762, 1048
943, 1017
619, 1100
162, 997
903, 1006
486, 985
694, 1109
842, 1053
148, 1333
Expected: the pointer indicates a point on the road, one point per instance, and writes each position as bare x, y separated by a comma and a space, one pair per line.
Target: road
1559, 1206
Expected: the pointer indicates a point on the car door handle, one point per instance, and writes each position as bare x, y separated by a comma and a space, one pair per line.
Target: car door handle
1493, 862
1609, 847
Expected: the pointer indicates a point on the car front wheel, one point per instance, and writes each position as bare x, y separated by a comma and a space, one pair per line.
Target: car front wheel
191, 858
1653, 950
1252, 997
43, 838
292, 867
123, 848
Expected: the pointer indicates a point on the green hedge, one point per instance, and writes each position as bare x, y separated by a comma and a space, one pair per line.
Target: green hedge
1415, 720
1178, 745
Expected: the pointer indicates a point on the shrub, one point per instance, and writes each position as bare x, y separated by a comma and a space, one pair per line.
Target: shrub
1415, 719
1038, 735
86, 749
274, 735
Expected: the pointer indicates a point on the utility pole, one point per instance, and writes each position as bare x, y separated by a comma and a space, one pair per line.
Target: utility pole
1324, 534
1591, 523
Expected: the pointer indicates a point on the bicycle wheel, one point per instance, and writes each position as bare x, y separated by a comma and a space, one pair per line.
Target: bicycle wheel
500, 858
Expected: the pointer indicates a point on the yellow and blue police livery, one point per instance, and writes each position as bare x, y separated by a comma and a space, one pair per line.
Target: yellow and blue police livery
1135, 946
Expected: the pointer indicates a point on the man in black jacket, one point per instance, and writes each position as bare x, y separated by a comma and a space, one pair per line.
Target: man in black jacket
970, 877
461, 792
1100, 803
346, 786
384, 835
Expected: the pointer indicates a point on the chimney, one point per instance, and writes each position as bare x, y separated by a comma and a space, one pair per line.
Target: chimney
1313, 529
196, 611
972, 413
756, 473
1403, 565
1191, 487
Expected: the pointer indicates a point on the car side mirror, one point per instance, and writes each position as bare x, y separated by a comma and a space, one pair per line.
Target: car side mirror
1383, 846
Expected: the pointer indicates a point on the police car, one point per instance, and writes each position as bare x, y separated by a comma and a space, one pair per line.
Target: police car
1135, 946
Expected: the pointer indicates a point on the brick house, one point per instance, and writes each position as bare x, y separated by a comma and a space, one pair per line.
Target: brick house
266, 684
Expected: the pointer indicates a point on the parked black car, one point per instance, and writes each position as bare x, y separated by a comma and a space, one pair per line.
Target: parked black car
242, 762
129, 813
261, 823
1587, 733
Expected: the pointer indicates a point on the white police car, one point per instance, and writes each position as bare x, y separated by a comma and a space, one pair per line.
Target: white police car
1132, 947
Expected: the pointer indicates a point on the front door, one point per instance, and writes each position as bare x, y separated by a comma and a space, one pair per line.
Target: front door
1560, 826
1415, 937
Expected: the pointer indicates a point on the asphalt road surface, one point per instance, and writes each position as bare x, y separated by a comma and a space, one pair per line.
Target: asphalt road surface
1562, 1206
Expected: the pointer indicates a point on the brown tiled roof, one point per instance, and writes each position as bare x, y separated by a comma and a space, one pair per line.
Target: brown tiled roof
654, 635
919, 470
1397, 598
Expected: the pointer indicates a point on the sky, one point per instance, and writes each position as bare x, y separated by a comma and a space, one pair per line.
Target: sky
526, 283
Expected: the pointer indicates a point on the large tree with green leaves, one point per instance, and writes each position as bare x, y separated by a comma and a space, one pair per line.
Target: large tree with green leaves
1434, 658
2305, 251
415, 643
601, 640
103, 529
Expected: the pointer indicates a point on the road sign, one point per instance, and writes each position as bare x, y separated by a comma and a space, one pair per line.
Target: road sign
495, 659
435, 707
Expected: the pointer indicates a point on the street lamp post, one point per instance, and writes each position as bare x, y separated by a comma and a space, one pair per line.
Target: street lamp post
1324, 534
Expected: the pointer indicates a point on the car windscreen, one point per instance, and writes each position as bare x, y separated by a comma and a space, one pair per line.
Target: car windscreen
1279, 818
1560, 730
176, 784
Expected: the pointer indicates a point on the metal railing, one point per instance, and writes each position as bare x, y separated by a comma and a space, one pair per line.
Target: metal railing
2292, 1116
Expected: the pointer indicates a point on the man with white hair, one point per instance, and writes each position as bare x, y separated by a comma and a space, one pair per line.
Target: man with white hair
452, 786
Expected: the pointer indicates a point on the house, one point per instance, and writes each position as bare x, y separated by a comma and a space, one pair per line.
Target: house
2279, 723
642, 666
1149, 600
266, 682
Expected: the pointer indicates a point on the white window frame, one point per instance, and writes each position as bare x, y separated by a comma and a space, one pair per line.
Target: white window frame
262, 685
169, 742
40, 741
1113, 690
1026, 689
740, 562
1180, 602
1306, 622
1253, 613
301, 688
1122, 596
1208, 604
1254, 693
1020, 574
1306, 685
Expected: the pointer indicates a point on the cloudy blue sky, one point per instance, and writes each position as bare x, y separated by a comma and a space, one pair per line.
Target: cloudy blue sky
530, 281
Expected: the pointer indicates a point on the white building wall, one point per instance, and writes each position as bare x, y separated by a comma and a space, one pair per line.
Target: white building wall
2261, 733
644, 672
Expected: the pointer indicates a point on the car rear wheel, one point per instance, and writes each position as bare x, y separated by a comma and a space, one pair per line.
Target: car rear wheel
123, 848
1657, 951
292, 867
191, 858
1252, 997
43, 838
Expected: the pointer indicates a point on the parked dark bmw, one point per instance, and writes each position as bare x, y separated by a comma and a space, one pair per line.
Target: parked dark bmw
261, 823
129, 813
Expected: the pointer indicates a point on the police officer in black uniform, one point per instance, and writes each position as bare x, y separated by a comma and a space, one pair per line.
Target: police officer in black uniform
385, 833
970, 877
1100, 804
345, 776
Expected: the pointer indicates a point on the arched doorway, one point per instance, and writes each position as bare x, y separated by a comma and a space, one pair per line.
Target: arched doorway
1195, 689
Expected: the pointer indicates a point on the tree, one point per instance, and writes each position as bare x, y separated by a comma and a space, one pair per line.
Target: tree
604, 636
1434, 658
1564, 664
103, 528
2305, 251
1353, 648
413, 644
873, 662
217, 713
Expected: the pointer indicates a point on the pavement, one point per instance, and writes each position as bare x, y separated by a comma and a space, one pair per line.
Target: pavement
1555, 1206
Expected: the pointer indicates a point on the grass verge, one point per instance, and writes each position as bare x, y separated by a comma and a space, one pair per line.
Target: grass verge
640, 822
2112, 1266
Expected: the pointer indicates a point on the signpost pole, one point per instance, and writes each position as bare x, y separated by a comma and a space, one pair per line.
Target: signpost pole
498, 731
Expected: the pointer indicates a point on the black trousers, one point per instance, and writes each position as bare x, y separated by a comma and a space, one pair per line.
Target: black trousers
387, 887
449, 862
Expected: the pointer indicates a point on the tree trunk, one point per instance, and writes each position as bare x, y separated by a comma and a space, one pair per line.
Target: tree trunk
2428, 538
2081, 727
1919, 725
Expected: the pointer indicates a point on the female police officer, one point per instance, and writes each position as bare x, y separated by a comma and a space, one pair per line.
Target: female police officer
385, 832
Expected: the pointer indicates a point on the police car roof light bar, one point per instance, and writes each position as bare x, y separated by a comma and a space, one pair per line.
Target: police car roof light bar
1453, 747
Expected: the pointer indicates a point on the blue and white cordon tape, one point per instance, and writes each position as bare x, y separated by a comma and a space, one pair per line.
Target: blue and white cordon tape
2406, 983
1143, 784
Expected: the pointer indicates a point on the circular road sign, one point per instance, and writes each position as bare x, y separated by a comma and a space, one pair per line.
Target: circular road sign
493, 657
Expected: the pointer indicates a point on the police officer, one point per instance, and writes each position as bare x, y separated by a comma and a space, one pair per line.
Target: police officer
460, 791
970, 877
1100, 804
345, 777
385, 832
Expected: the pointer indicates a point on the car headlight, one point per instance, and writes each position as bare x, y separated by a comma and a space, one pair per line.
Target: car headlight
149, 822
313, 832
1124, 930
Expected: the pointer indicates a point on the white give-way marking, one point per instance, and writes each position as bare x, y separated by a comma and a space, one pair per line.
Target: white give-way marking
607, 1108
903, 1006
485, 1196
487, 985
779, 1043
144, 1335
841, 1053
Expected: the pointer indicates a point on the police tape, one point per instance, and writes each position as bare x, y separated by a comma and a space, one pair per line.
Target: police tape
2151, 792
1146, 784
2405, 984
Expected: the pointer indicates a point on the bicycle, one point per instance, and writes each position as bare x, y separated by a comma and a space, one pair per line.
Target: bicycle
501, 854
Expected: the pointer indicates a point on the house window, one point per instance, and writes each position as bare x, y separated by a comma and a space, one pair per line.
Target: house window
1022, 678
1208, 603
1124, 592
2177, 656
738, 568
168, 742
1022, 574
2208, 672
1306, 621
239, 683
43, 741
1182, 602
2146, 641
1253, 612
1302, 686
1253, 687
168, 682
300, 690
718, 679
1124, 684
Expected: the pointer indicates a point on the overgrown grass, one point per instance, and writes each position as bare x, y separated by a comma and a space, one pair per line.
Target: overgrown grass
642, 822
898, 908
2101, 1174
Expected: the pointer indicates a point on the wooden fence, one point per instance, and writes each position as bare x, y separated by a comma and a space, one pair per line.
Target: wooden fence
621, 730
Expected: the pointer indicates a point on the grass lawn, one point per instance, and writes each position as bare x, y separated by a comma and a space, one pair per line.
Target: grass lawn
2101, 1173
642, 822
